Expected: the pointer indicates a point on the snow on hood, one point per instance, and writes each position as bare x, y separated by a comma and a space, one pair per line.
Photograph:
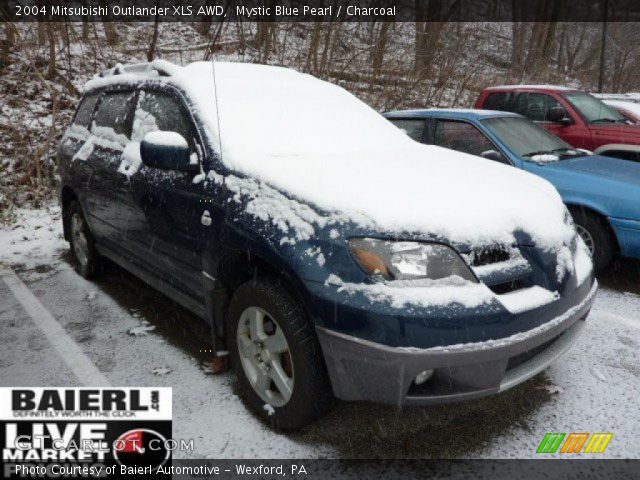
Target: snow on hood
319, 143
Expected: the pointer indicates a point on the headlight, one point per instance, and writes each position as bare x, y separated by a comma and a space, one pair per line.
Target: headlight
408, 260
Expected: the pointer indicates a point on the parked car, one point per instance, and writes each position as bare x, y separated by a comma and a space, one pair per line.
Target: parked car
629, 110
602, 193
329, 253
577, 117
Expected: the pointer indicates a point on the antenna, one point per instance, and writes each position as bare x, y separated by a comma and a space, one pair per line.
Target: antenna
215, 92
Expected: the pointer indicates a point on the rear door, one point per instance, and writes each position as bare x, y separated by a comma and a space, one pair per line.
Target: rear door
73, 165
107, 189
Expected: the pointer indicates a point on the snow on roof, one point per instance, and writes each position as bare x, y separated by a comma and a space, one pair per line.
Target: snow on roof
632, 107
319, 143
631, 96
474, 111
541, 87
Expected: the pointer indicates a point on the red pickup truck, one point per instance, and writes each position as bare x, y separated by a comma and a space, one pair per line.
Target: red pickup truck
577, 117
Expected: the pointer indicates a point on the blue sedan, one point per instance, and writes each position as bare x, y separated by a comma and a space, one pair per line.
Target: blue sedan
602, 193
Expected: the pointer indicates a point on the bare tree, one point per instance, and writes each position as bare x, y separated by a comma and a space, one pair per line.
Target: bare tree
110, 32
151, 53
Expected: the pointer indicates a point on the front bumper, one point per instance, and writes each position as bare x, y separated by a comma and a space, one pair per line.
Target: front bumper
628, 235
363, 370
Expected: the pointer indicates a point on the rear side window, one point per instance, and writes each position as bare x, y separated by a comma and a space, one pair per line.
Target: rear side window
85, 110
497, 101
413, 127
114, 111
461, 136
161, 111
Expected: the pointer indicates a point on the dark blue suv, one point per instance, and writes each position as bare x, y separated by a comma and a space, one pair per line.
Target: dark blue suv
329, 258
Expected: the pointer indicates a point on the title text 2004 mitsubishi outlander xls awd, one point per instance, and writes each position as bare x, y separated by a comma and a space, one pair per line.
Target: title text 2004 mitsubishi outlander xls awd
328, 256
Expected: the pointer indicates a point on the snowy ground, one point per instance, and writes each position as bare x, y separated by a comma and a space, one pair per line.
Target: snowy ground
135, 336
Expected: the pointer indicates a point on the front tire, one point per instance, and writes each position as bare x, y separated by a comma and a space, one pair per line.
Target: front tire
276, 355
83, 246
596, 236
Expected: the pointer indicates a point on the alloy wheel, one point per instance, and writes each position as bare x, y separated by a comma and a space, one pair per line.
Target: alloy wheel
587, 238
265, 356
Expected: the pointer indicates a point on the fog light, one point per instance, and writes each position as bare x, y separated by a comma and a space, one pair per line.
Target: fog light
423, 377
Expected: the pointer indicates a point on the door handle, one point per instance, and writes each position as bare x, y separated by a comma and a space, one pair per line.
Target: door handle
206, 218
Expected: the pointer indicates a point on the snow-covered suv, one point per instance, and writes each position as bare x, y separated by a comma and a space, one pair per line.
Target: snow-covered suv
331, 254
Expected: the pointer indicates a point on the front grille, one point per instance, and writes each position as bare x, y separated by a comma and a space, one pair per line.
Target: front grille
501, 268
488, 256
508, 287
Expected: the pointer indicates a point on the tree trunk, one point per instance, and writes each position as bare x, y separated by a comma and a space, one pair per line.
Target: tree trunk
8, 43
428, 28
154, 40
51, 71
110, 33
312, 55
42, 33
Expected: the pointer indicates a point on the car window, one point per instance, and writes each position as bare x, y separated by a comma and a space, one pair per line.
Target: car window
535, 106
161, 111
623, 154
414, 127
523, 137
85, 110
114, 110
593, 109
461, 136
498, 101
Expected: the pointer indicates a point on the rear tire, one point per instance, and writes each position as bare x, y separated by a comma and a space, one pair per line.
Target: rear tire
595, 234
83, 246
274, 349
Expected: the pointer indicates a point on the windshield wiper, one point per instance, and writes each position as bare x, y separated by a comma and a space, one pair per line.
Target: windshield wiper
604, 120
556, 151
539, 152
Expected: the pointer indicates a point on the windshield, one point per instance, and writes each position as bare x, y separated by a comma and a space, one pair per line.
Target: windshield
527, 140
592, 109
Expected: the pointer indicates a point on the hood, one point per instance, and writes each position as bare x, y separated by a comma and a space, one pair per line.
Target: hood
418, 190
605, 168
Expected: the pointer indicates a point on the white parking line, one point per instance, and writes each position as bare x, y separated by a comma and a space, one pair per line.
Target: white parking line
81, 365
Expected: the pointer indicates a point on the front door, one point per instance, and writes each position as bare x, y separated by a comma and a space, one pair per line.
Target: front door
166, 225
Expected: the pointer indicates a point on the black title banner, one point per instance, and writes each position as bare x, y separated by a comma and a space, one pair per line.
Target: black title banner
321, 10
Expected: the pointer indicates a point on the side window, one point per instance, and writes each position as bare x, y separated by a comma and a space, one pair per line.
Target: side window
85, 110
161, 111
535, 106
114, 112
461, 136
497, 101
411, 126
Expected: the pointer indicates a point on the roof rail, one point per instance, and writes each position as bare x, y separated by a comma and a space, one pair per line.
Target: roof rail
146, 68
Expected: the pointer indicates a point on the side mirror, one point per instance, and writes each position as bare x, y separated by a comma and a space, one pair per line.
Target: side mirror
559, 115
166, 151
494, 155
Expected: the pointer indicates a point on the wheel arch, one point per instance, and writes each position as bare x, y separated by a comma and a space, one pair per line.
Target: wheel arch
590, 210
235, 268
